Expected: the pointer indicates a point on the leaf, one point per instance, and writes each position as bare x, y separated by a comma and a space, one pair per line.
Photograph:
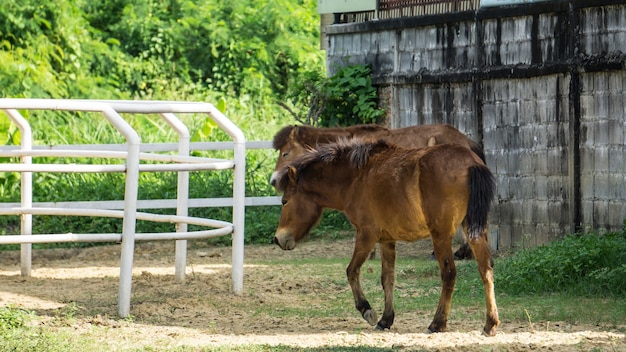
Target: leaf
113, 41
15, 137
42, 21
221, 105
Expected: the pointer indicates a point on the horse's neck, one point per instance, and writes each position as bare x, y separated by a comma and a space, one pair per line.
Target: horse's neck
314, 137
332, 186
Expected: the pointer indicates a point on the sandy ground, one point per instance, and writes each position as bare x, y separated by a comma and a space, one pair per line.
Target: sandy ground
202, 311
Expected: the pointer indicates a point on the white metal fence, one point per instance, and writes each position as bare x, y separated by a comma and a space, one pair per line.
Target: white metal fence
133, 152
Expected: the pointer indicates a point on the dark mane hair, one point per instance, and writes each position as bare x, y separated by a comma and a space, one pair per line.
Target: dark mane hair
280, 138
311, 135
353, 151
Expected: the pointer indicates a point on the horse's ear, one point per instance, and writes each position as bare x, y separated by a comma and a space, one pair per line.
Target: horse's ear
294, 132
296, 135
292, 172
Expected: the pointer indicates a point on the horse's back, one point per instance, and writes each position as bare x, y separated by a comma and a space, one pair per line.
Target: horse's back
404, 190
419, 136
422, 136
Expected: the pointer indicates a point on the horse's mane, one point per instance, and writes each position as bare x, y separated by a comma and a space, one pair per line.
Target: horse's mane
353, 151
282, 136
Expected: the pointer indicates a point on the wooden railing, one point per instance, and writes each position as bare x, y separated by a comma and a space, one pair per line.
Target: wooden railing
388, 9
405, 8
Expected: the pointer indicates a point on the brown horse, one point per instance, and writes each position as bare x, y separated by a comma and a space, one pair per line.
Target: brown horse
293, 141
393, 194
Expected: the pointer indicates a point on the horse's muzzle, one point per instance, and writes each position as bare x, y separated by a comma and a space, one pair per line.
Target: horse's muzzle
274, 178
284, 241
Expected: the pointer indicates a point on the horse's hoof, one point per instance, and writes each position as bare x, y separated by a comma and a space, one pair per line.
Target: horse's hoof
371, 317
489, 332
432, 329
382, 328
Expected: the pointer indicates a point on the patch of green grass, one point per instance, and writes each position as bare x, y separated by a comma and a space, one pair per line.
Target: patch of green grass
418, 287
12, 318
585, 265
279, 348
520, 294
17, 333
563, 308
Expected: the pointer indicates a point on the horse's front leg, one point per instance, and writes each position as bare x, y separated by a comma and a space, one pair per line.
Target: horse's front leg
388, 278
362, 249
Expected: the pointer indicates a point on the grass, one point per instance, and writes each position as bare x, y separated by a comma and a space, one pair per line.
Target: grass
418, 288
267, 348
317, 289
581, 264
17, 333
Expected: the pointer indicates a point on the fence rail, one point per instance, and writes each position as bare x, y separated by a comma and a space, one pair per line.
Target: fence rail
136, 157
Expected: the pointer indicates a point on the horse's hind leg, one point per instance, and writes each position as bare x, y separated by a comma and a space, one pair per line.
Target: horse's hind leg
485, 267
388, 278
442, 244
362, 249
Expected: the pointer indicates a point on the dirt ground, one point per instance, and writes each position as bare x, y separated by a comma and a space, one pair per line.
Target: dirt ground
202, 311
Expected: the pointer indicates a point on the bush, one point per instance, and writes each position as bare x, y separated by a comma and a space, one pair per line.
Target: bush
588, 264
351, 98
345, 99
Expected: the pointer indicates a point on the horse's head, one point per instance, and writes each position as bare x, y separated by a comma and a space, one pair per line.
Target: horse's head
299, 212
293, 141
317, 179
286, 141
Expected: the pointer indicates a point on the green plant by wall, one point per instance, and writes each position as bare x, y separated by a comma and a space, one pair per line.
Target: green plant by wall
345, 99
351, 98
587, 264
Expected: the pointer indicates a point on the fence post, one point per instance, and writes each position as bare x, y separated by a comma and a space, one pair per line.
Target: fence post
26, 219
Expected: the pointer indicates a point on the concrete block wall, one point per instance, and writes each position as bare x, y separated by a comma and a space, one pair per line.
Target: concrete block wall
437, 103
602, 29
602, 139
525, 142
542, 86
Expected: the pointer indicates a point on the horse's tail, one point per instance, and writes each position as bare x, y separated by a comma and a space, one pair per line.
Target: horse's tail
482, 188
477, 149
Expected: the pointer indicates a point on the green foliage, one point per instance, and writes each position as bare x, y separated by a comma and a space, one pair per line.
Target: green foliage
223, 46
155, 49
589, 264
45, 51
351, 98
221, 52
345, 99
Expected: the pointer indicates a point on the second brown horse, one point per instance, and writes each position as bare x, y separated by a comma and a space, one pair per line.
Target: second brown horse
392, 194
293, 141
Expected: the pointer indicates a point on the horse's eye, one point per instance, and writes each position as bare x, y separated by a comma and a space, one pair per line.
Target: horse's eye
284, 201
285, 154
